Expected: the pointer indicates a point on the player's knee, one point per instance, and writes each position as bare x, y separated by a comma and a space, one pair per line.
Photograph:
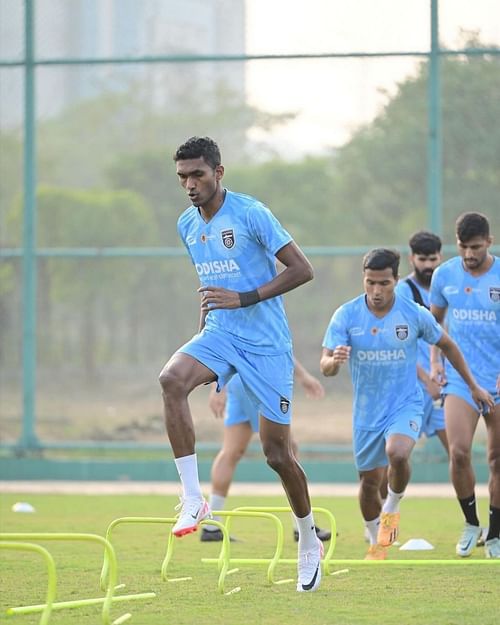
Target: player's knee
277, 456
397, 457
494, 462
460, 456
171, 383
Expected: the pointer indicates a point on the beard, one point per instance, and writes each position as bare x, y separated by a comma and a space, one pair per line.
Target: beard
424, 277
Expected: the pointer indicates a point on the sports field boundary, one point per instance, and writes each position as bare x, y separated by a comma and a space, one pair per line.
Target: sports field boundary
64, 487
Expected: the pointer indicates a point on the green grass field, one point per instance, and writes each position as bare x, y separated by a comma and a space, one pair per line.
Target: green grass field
366, 595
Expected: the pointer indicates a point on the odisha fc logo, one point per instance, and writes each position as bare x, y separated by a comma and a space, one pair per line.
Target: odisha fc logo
495, 294
402, 332
227, 238
284, 405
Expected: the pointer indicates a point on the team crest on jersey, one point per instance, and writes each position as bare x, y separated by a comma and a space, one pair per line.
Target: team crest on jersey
402, 332
284, 405
228, 238
495, 294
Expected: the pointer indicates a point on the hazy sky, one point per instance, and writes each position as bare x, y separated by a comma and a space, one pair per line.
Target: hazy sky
333, 96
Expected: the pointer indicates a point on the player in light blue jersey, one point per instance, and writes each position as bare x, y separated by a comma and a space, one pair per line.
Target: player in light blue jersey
465, 294
378, 334
233, 241
425, 256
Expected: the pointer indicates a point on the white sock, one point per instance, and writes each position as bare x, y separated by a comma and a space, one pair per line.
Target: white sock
216, 503
307, 532
372, 527
187, 467
391, 504
294, 521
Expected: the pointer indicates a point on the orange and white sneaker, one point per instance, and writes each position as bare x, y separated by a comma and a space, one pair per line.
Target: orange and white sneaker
388, 529
192, 511
376, 552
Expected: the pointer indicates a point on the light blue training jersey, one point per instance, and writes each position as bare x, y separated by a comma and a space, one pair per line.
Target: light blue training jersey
383, 356
403, 288
236, 250
472, 318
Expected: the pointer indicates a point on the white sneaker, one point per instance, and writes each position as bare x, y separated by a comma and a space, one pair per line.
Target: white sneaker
192, 511
468, 540
309, 569
492, 548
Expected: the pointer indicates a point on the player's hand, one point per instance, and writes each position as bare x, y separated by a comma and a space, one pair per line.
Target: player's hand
483, 399
437, 373
433, 389
341, 354
214, 297
217, 402
313, 387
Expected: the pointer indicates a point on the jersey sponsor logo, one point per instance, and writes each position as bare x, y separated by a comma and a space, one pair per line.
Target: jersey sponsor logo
284, 404
227, 238
357, 331
402, 331
381, 355
473, 314
216, 266
495, 294
206, 237
450, 290
190, 240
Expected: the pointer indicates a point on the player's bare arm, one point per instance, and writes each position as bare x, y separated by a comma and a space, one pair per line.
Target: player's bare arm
437, 372
298, 270
454, 355
332, 360
217, 401
311, 385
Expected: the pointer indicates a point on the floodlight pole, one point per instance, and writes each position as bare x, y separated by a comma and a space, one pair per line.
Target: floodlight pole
434, 155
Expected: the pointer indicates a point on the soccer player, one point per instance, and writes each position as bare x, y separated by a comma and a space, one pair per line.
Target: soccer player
425, 256
378, 333
233, 241
465, 292
241, 420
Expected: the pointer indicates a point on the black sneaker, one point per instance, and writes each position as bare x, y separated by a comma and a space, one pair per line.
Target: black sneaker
213, 536
323, 535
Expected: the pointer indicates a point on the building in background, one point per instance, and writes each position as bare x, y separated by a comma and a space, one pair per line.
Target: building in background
89, 29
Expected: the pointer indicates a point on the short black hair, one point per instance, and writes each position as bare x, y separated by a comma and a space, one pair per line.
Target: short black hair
470, 225
425, 243
197, 147
381, 258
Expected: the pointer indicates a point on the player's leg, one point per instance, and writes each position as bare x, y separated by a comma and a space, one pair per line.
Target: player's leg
492, 543
398, 450
370, 503
235, 442
277, 447
461, 422
323, 534
196, 363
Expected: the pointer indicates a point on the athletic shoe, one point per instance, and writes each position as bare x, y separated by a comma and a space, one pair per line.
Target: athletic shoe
492, 548
192, 511
376, 552
323, 535
309, 569
468, 540
388, 529
482, 538
213, 536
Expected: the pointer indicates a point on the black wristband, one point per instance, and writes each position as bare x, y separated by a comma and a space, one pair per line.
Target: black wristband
249, 298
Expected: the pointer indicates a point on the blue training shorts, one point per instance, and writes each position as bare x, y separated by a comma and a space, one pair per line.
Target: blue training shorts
369, 446
239, 407
433, 419
268, 380
460, 389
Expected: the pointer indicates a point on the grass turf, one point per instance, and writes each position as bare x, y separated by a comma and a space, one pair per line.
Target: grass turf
412, 595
